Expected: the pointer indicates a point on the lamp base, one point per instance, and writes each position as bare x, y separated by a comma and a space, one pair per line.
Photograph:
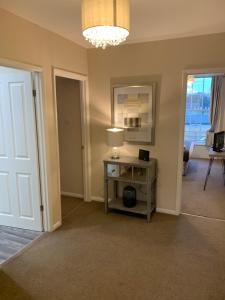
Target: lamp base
115, 153
115, 157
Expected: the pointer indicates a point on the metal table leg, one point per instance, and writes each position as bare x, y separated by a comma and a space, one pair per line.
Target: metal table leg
208, 172
106, 191
224, 171
149, 197
106, 196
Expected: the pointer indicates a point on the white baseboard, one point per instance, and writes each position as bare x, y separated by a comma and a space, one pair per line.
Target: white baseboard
159, 210
74, 195
56, 225
167, 211
97, 199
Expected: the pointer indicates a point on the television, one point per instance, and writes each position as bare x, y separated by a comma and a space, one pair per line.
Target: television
218, 142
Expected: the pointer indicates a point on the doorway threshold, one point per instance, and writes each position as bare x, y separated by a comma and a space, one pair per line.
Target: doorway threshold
13, 241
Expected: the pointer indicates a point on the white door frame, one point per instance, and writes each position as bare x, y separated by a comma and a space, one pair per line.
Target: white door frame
185, 74
85, 135
37, 75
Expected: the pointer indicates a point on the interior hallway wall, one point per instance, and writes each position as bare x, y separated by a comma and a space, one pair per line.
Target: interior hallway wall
163, 61
26, 42
70, 142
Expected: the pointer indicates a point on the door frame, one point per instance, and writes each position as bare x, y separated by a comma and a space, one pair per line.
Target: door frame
85, 121
185, 74
37, 78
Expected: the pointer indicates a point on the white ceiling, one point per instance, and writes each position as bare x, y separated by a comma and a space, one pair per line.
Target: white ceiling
150, 19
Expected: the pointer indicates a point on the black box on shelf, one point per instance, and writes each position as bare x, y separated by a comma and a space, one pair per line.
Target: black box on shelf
144, 155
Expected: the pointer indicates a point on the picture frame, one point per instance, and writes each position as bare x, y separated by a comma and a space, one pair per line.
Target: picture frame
133, 109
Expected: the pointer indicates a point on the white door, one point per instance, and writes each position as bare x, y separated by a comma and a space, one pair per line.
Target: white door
20, 196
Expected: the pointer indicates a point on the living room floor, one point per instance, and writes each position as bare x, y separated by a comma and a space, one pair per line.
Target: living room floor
209, 203
115, 256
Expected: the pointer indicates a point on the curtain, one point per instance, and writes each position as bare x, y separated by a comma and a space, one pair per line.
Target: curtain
217, 103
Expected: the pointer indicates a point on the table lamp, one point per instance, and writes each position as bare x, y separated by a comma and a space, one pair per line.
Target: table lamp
115, 137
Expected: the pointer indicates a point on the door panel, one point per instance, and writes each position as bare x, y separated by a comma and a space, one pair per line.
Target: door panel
20, 196
5, 206
2, 129
25, 196
17, 104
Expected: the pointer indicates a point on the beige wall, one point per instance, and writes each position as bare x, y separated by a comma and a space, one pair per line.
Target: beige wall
69, 127
165, 61
25, 42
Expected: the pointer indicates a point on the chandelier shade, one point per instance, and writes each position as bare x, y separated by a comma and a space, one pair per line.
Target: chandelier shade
105, 22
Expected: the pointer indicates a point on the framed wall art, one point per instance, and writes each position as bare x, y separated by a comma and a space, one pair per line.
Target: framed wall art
133, 109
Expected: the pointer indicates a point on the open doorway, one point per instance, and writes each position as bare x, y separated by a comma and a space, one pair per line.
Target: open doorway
71, 137
204, 115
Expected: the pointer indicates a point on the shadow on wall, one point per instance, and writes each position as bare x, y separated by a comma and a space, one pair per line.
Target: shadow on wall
100, 121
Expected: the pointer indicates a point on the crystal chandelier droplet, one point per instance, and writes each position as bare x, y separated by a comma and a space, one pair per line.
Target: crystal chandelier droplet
101, 36
105, 22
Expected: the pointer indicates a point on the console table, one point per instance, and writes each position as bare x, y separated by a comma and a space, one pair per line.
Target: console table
212, 156
140, 174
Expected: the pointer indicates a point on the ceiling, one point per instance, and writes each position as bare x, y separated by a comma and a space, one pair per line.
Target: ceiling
150, 19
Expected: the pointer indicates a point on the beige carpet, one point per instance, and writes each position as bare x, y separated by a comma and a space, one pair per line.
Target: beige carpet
114, 256
69, 205
209, 203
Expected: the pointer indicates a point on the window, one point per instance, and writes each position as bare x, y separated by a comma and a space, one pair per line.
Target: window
198, 103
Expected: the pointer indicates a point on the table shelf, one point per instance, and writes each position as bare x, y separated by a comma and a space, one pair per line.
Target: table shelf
127, 180
140, 208
136, 173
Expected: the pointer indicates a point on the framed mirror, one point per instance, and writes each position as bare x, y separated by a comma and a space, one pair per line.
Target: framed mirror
133, 109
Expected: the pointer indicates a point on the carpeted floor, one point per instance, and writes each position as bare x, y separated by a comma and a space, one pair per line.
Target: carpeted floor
114, 256
13, 240
209, 203
69, 205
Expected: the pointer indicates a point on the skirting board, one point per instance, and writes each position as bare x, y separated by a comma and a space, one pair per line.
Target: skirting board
167, 211
56, 225
74, 195
97, 199
159, 210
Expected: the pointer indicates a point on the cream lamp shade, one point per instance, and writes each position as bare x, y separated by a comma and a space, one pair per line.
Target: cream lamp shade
115, 137
105, 22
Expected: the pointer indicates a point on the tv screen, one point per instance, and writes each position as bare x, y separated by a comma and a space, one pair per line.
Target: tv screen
218, 143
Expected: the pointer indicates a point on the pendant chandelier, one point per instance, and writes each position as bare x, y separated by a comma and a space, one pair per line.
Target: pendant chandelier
105, 22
